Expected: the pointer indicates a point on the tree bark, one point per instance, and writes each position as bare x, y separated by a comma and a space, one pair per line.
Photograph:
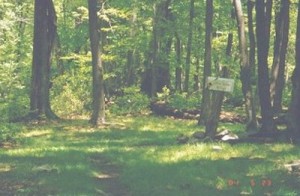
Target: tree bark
131, 54
20, 30
230, 37
229, 44
280, 49
98, 115
246, 68
212, 121
252, 41
196, 76
262, 34
294, 111
206, 95
157, 74
43, 41
178, 74
189, 47
164, 19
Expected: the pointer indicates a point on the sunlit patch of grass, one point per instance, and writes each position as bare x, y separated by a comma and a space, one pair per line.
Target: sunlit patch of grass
236, 128
282, 147
5, 167
67, 159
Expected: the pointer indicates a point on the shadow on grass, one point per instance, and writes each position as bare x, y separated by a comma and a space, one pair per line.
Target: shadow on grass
139, 157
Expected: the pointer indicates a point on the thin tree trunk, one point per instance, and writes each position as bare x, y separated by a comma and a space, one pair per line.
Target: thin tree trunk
189, 47
268, 19
20, 31
294, 111
206, 95
229, 44
154, 53
230, 37
164, 71
131, 54
280, 49
262, 34
252, 42
178, 74
98, 115
196, 76
197, 82
252, 55
246, 69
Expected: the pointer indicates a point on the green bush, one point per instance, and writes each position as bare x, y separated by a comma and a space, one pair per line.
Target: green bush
179, 100
71, 91
164, 95
17, 108
14, 107
183, 101
132, 102
8, 132
14, 90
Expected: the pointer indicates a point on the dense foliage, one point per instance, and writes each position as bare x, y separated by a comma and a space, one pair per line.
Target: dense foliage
15, 57
127, 28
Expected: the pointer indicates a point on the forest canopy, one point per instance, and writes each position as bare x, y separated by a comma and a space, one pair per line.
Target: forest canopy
61, 59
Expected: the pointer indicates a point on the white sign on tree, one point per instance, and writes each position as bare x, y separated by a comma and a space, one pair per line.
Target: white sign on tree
220, 84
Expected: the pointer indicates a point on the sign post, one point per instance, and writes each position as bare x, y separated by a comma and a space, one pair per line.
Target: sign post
219, 86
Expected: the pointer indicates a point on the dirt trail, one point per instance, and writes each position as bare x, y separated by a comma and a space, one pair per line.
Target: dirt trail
108, 177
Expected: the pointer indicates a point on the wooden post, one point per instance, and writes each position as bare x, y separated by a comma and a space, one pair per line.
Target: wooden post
212, 121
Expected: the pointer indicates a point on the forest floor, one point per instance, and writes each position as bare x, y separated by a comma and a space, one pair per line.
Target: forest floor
141, 156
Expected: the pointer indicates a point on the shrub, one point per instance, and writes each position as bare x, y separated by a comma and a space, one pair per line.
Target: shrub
8, 132
14, 107
132, 102
183, 101
71, 92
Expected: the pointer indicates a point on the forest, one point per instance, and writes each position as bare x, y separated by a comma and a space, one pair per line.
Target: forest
164, 97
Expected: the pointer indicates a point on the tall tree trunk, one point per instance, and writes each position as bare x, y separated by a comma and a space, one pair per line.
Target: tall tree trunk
165, 43
206, 95
98, 115
229, 44
157, 74
230, 37
20, 30
178, 74
246, 69
280, 49
189, 47
153, 62
294, 111
164, 70
252, 42
196, 76
262, 34
197, 82
252, 53
131, 54
44, 36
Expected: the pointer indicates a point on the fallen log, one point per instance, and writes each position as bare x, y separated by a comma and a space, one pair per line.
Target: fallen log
163, 109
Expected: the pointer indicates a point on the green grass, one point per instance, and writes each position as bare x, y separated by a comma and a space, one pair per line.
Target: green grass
67, 159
